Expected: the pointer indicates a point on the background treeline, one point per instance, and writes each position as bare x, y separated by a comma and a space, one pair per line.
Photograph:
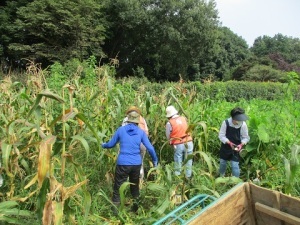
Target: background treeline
159, 40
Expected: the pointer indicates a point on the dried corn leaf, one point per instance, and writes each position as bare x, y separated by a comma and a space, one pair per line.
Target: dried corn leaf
47, 213
71, 113
44, 158
33, 180
69, 191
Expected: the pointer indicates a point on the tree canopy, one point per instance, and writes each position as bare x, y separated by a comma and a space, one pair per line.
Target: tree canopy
159, 40
48, 31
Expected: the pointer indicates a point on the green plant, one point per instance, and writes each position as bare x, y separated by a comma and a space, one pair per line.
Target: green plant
10, 213
292, 167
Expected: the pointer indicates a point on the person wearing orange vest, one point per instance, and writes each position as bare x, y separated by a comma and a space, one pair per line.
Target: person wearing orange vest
143, 125
182, 142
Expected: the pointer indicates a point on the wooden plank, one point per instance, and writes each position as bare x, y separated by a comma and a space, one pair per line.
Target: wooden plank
232, 208
251, 208
290, 205
277, 214
266, 197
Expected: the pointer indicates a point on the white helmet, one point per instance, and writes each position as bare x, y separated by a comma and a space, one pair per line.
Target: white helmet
171, 111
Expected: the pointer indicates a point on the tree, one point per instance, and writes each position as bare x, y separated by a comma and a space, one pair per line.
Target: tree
287, 47
162, 37
264, 73
232, 50
8, 14
50, 30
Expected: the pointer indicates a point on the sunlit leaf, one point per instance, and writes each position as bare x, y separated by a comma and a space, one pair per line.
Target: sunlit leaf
6, 150
33, 180
262, 134
45, 150
122, 194
58, 212
69, 191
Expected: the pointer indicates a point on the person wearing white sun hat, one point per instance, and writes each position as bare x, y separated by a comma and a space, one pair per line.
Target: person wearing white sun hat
233, 135
182, 142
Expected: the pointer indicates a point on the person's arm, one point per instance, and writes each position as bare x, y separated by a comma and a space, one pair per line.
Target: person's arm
146, 127
150, 148
168, 130
245, 138
113, 141
222, 133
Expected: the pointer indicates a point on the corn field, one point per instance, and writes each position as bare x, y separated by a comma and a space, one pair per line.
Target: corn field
54, 171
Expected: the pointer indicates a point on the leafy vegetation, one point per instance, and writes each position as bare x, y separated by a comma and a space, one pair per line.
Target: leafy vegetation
54, 167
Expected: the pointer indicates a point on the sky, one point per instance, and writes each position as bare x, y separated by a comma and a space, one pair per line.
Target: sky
251, 19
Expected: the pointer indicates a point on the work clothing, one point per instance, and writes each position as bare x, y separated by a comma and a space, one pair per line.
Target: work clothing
130, 137
182, 143
179, 127
244, 131
237, 134
181, 151
129, 160
121, 175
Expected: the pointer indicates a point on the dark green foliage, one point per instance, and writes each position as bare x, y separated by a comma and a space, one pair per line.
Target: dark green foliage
283, 51
287, 47
264, 73
231, 51
47, 31
164, 37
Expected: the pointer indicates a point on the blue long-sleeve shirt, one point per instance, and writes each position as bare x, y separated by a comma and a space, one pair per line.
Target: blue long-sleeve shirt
130, 138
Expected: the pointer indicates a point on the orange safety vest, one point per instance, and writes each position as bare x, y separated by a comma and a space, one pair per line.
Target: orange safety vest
179, 128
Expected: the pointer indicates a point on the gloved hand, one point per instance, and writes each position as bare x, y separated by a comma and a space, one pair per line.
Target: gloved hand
103, 144
231, 144
239, 147
154, 163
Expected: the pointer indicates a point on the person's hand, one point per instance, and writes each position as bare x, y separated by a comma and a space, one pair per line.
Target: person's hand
239, 147
232, 146
103, 145
154, 163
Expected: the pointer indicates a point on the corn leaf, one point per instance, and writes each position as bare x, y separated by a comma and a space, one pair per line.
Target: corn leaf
47, 94
87, 205
57, 212
83, 142
45, 150
69, 191
6, 150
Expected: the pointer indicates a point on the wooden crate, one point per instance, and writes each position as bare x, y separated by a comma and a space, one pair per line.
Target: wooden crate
248, 204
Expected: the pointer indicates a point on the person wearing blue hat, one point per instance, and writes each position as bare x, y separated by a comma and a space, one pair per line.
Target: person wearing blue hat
233, 135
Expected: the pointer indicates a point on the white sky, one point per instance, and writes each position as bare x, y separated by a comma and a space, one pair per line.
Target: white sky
254, 18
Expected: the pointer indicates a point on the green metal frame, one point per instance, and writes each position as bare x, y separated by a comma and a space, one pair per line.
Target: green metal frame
177, 214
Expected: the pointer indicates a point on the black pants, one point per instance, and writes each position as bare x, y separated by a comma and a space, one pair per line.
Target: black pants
121, 175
